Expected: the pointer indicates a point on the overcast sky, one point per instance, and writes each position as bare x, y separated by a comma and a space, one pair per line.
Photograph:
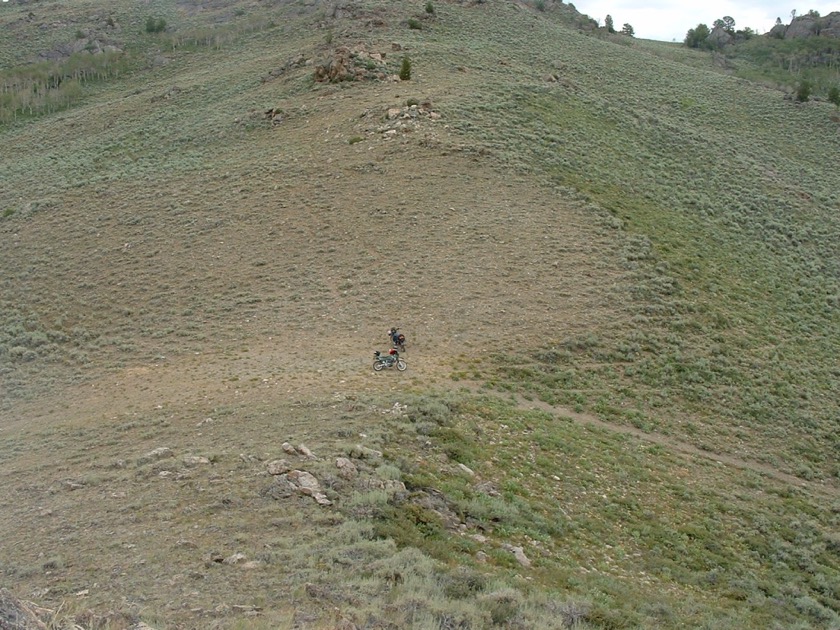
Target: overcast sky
668, 20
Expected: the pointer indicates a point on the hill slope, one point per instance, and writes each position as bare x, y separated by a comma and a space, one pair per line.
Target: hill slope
618, 275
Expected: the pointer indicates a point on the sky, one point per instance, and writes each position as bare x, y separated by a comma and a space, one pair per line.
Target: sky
669, 20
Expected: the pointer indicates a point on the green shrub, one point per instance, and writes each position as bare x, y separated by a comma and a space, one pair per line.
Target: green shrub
405, 69
415, 24
430, 8
834, 95
155, 25
803, 92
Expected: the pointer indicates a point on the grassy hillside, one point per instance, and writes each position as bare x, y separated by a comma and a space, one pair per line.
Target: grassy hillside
617, 269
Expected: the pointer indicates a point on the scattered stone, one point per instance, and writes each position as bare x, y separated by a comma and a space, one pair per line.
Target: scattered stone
520, 556
306, 483
466, 469
346, 468
278, 467
356, 64
489, 488
363, 452
236, 558
195, 460
305, 452
393, 485
288, 448
159, 453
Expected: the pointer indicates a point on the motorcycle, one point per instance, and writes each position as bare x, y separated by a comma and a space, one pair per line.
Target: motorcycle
397, 338
392, 359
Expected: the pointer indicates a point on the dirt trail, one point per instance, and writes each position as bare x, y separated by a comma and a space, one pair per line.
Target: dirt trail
217, 379
683, 448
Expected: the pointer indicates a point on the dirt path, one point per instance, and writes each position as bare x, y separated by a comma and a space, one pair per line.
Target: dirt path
678, 446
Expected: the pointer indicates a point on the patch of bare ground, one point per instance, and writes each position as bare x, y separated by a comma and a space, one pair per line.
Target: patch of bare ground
227, 308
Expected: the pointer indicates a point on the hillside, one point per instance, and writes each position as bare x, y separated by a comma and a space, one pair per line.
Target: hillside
618, 270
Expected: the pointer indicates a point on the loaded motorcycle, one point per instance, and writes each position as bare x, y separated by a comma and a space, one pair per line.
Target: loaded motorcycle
392, 359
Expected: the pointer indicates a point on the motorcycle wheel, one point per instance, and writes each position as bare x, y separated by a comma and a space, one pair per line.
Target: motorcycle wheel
378, 365
401, 365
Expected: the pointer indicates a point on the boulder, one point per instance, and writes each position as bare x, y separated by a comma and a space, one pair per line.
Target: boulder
803, 26
719, 37
278, 467
830, 25
346, 468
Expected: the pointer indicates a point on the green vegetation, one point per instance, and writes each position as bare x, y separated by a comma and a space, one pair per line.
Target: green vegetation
48, 87
803, 92
618, 269
783, 62
155, 25
405, 69
696, 37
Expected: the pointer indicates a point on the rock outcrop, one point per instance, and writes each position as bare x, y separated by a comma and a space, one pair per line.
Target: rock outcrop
809, 25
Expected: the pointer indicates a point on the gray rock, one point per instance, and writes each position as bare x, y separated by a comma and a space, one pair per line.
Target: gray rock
236, 558
803, 26
278, 467
719, 37
157, 454
346, 468
519, 554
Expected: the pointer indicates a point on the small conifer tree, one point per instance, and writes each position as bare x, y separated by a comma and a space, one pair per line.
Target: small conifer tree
405, 69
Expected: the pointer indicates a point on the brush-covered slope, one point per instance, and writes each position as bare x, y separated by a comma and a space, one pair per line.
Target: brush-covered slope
618, 273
